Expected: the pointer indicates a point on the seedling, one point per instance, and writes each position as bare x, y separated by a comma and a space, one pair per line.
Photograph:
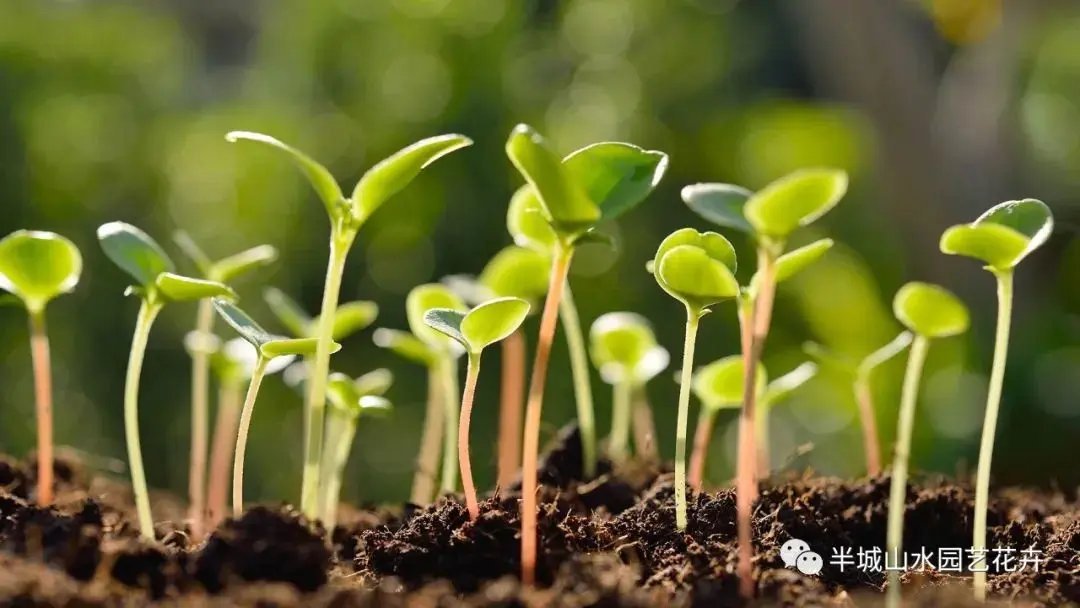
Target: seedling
482, 326
697, 269
349, 318
145, 261
930, 312
771, 215
221, 271
35, 267
269, 347
1000, 238
347, 215
718, 386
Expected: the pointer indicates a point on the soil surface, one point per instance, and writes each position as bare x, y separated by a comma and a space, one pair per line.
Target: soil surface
608, 541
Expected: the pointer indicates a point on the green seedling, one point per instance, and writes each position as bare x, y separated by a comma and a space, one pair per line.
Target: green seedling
475, 330
1000, 238
596, 183
349, 318
718, 386
156, 284
770, 215
347, 216
220, 271
930, 312
861, 373
697, 269
776, 391
268, 347
36, 267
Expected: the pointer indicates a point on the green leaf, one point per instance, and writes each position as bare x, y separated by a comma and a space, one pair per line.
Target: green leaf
794, 262
654, 362
720, 383
300, 347
342, 395
134, 252
1003, 235
375, 406
447, 322
38, 266
193, 252
376, 382
350, 318
423, 298
930, 310
321, 179
492, 322
178, 288
783, 386
566, 204
288, 312
620, 338
392, 174
721, 204
526, 223
269, 345
229, 268
883, 354
405, 345
696, 268
716, 245
616, 176
795, 200
517, 272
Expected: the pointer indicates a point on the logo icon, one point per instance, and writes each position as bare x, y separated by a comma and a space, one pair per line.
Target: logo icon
797, 554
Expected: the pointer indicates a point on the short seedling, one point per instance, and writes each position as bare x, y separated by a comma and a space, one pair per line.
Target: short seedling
221, 271
145, 261
35, 267
482, 326
930, 312
697, 269
347, 215
1000, 238
269, 347
718, 386
593, 184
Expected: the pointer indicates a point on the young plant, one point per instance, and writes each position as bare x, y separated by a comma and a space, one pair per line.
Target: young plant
775, 392
1000, 238
349, 317
268, 347
475, 330
596, 183
718, 386
930, 312
220, 271
145, 261
771, 215
347, 216
35, 267
697, 269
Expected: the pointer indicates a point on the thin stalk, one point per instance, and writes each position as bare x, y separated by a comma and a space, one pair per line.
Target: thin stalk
200, 406
702, 434
511, 401
228, 415
761, 425
341, 430
463, 435
894, 539
579, 372
148, 311
427, 461
692, 320
864, 397
560, 266
242, 436
644, 426
618, 444
39, 353
993, 402
316, 396
449, 381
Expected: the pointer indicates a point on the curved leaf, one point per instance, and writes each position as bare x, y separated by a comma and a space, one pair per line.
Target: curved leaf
350, 318
178, 288
883, 354
193, 252
134, 252
38, 266
783, 386
714, 244
696, 274
320, 178
297, 347
423, 298
376, 382
227, 269
288, 312
720, 383
517, 272
242, 322
405, 345
564, 201
527, 224
341, 394
616, 176
447, 322
1003, 235
492, 322
794, 262
620, 338
721, 204
930, 310
795, 200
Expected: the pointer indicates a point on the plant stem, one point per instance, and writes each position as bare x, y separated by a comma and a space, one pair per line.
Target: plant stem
242, 435
340, 242
463, 435
451, 409
341, 430
39, 353
620, 420
644, 427
148, 311
228, 414
427, 461
692, 320
579, 372
560, 266
702, 434
511, 398
761, 426
200, 406
993, 402
901, 452
864, 397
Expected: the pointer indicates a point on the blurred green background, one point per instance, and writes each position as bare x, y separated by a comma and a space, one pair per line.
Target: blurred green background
938, 109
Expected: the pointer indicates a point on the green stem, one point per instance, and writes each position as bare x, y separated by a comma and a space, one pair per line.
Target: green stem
242, 435
148, 310
898, 486
341, 430
340, 243
620, 420
200, 407
450, 400
579, 371
692, 320
463, 436
761, 427
993, 402
427, 460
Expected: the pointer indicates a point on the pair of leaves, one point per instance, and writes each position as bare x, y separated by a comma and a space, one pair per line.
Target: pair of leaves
514, 272
482, 326
349, 317
1003, 235
696, 268
227, 268
720, 384
362, 396
623, 347
930, 310
37, 266
793, 262
268, 345
234, 360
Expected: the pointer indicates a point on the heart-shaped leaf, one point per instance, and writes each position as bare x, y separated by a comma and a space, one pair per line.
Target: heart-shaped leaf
517, 272
783, 386
321, 179
720, 383
134, 252
620, 339
716, 245
269, 345
526, 223
392, 174
1003, 236
233, 266
376, 382
350, 318
288, 312
193, 252
795, 200
930, 310
721, 204
38, 266
696, 268
794, 262
405, 345
423, 298
178, 288
616, 176
493, 321
566, 204
883, 354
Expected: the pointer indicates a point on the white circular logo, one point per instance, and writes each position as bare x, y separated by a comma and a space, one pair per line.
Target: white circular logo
797, 554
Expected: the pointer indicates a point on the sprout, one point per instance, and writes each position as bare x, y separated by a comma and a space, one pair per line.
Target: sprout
698, 269
221, 271
930, 312
144, 260
35, 267
1001, 238
482, 326
718, 385
596, 183
268, 347
347, 216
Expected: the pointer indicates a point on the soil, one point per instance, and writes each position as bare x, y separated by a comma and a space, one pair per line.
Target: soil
606, 541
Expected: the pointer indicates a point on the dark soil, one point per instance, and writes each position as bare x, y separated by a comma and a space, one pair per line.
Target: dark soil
608, 541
